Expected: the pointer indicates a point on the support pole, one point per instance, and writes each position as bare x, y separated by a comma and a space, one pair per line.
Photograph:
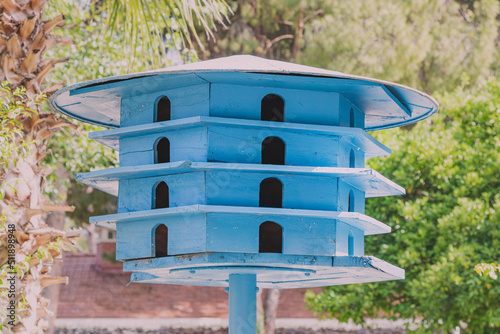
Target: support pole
242, 304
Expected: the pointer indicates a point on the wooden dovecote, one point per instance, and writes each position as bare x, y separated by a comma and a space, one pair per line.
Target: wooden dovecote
247, 166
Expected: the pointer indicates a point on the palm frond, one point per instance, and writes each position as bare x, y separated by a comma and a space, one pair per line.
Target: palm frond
160, 24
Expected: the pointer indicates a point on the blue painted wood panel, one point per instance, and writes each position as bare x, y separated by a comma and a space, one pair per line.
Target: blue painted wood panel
237, 232
344, 231
279, 271
344, 194
350, 115
301, 106
184, 189
185, 144
186, 235
245, 146
219, 143
368, 180
349, 153
225, 232
185, 102
362, 222
240, 233
235, 188
357, 137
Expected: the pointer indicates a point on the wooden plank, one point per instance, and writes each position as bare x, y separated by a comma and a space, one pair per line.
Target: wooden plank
367, 180
360, 221
184, 189
355, 136
396, 97
236, 232
212, 269
301, 106
299, 191
185, 102
239, 145
185, 144
186, 234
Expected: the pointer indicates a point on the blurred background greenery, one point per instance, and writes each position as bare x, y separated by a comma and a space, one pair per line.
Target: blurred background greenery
448, 221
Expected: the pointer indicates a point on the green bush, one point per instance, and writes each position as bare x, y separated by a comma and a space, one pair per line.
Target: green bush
448, 222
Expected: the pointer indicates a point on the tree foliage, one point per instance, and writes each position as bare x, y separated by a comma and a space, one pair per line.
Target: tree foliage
27, 247
93, 55
14, 106
488, 269
154, 23
427, 44
448, 221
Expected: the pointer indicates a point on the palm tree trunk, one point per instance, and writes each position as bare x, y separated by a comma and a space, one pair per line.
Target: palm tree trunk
24, 38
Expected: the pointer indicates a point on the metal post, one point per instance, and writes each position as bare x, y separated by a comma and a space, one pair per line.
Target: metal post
242, 304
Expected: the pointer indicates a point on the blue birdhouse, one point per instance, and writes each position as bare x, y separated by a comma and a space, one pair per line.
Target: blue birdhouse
244, 172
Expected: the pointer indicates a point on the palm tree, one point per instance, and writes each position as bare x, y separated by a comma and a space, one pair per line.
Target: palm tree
26, 128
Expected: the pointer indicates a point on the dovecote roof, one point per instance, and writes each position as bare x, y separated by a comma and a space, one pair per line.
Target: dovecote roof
384, 104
